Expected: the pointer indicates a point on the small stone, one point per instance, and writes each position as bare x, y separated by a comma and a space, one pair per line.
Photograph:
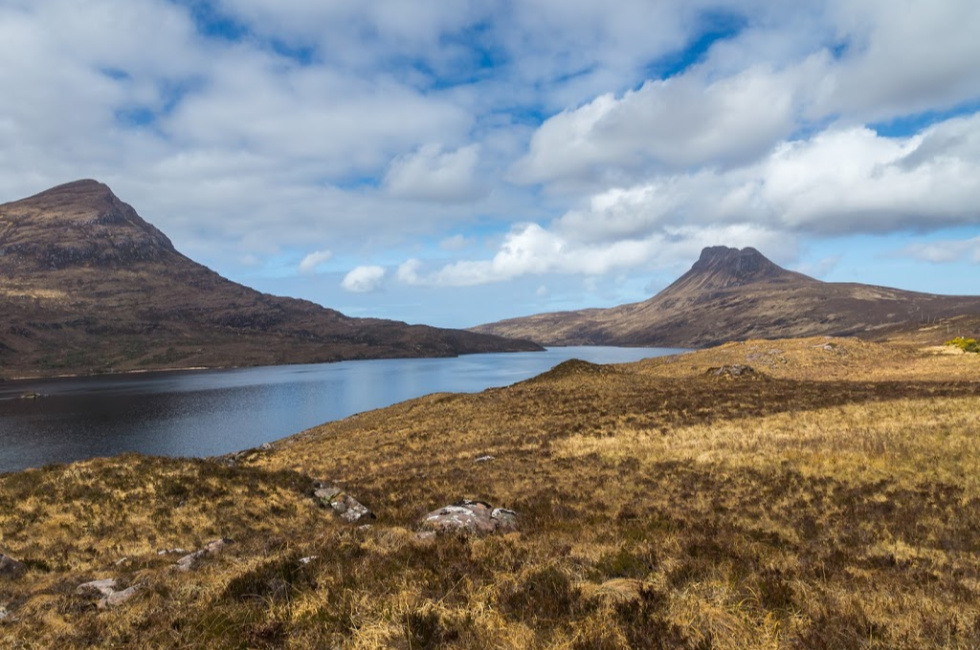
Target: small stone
3, 613
117, 598
484, 459
187, 562
97, 588
11, 568
266, 446
171, 551
349, 508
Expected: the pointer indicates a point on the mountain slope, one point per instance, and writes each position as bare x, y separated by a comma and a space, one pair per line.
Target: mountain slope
731, 295
86, 285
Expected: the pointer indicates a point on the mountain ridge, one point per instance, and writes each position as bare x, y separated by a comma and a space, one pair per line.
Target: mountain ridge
730, 295
88, 286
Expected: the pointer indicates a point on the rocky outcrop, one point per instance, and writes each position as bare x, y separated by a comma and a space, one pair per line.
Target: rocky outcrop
734, 371
347, 507
476, 517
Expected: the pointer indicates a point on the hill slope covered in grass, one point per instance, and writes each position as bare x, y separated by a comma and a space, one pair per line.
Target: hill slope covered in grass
827, 498
87, 286
734, 295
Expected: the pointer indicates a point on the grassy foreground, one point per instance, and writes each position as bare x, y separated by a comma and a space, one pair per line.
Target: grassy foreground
830, 499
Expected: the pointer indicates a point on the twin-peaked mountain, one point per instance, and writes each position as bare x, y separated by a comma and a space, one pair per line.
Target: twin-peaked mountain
732, 295
86, 285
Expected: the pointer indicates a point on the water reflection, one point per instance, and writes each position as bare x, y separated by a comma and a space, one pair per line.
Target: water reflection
215, 412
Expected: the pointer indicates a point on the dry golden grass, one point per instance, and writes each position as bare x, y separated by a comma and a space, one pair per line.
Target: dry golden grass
831, 500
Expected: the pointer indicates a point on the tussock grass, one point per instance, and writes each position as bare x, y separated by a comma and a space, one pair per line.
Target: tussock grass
826, 502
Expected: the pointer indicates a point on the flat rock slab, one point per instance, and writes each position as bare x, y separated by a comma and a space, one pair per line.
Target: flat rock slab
347, 507
471, 517
188, 562
11, 568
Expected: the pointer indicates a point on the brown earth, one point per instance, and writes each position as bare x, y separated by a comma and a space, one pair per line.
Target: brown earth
734, 295
87, 286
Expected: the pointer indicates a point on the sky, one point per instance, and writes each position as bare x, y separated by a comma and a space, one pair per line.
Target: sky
456, 162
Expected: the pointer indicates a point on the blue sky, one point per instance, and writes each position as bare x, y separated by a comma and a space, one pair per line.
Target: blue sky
457, 163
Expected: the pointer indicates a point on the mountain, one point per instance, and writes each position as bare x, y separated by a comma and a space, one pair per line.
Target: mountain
88, 286
730, 295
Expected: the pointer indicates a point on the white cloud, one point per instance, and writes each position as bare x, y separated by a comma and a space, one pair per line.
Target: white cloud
431, 174
310, 263
665, 125
941, 252
532, 250
364, 279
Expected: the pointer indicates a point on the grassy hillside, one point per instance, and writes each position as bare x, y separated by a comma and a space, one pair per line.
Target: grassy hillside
828, 498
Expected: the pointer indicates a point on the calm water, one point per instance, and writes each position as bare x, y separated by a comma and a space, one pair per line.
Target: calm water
219, 411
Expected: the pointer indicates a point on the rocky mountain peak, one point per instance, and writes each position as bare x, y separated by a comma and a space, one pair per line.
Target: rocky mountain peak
78, 224
721, 267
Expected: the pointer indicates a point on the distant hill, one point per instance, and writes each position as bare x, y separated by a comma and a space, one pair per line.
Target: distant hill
88, 286
733, 295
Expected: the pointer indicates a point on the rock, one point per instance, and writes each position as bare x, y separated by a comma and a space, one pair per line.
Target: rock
11, 568
188, 562
471, 517
171, 551
3, 613
349, 508
484, 459
506, 519
732, 371
97, 588
117, 598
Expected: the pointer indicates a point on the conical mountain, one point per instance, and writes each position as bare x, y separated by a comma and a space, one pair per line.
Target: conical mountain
733, 294
87, 285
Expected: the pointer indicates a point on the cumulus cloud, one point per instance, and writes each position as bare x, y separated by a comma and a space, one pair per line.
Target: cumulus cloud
364, 279
599, 141
530, 249
431, 174
310, 263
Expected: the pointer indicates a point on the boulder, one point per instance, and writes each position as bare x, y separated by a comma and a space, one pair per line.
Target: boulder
11, 568
349, 508
467, 516
214, 547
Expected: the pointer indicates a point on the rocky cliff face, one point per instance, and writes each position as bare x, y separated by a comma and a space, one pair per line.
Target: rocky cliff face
731, 294
87, 285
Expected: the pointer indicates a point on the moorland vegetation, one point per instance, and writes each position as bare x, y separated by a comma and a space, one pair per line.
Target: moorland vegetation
811, 493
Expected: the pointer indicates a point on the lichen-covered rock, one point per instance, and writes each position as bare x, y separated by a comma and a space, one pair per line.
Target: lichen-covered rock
736, 370
11, 568
188, 562
117, 598
96, 588
349, 508
468, 516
